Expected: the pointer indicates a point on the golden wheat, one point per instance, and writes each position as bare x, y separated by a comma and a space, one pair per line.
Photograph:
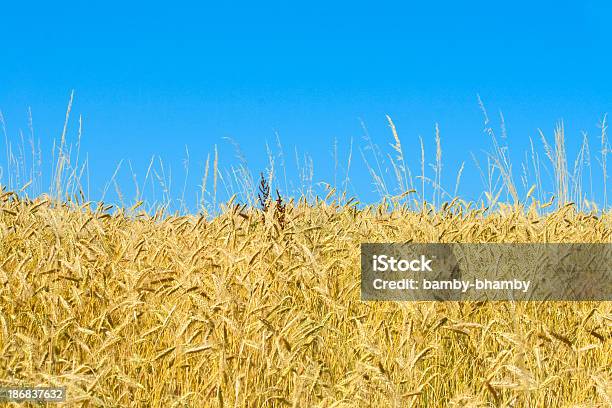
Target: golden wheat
237, 311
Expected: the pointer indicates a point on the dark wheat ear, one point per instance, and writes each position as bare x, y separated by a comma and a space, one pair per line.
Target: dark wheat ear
264, 193
264, 196
280, 209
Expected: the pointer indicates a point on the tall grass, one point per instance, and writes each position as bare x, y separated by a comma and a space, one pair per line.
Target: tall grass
392, 176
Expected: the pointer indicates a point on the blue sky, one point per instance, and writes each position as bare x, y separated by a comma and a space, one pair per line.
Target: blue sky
151, 78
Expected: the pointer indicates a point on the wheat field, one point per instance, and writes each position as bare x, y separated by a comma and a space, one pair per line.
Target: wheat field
127, 309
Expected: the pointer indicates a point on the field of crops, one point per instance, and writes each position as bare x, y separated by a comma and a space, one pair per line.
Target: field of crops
129, 309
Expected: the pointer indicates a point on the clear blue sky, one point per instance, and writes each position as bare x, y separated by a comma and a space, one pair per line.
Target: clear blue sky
152, 77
